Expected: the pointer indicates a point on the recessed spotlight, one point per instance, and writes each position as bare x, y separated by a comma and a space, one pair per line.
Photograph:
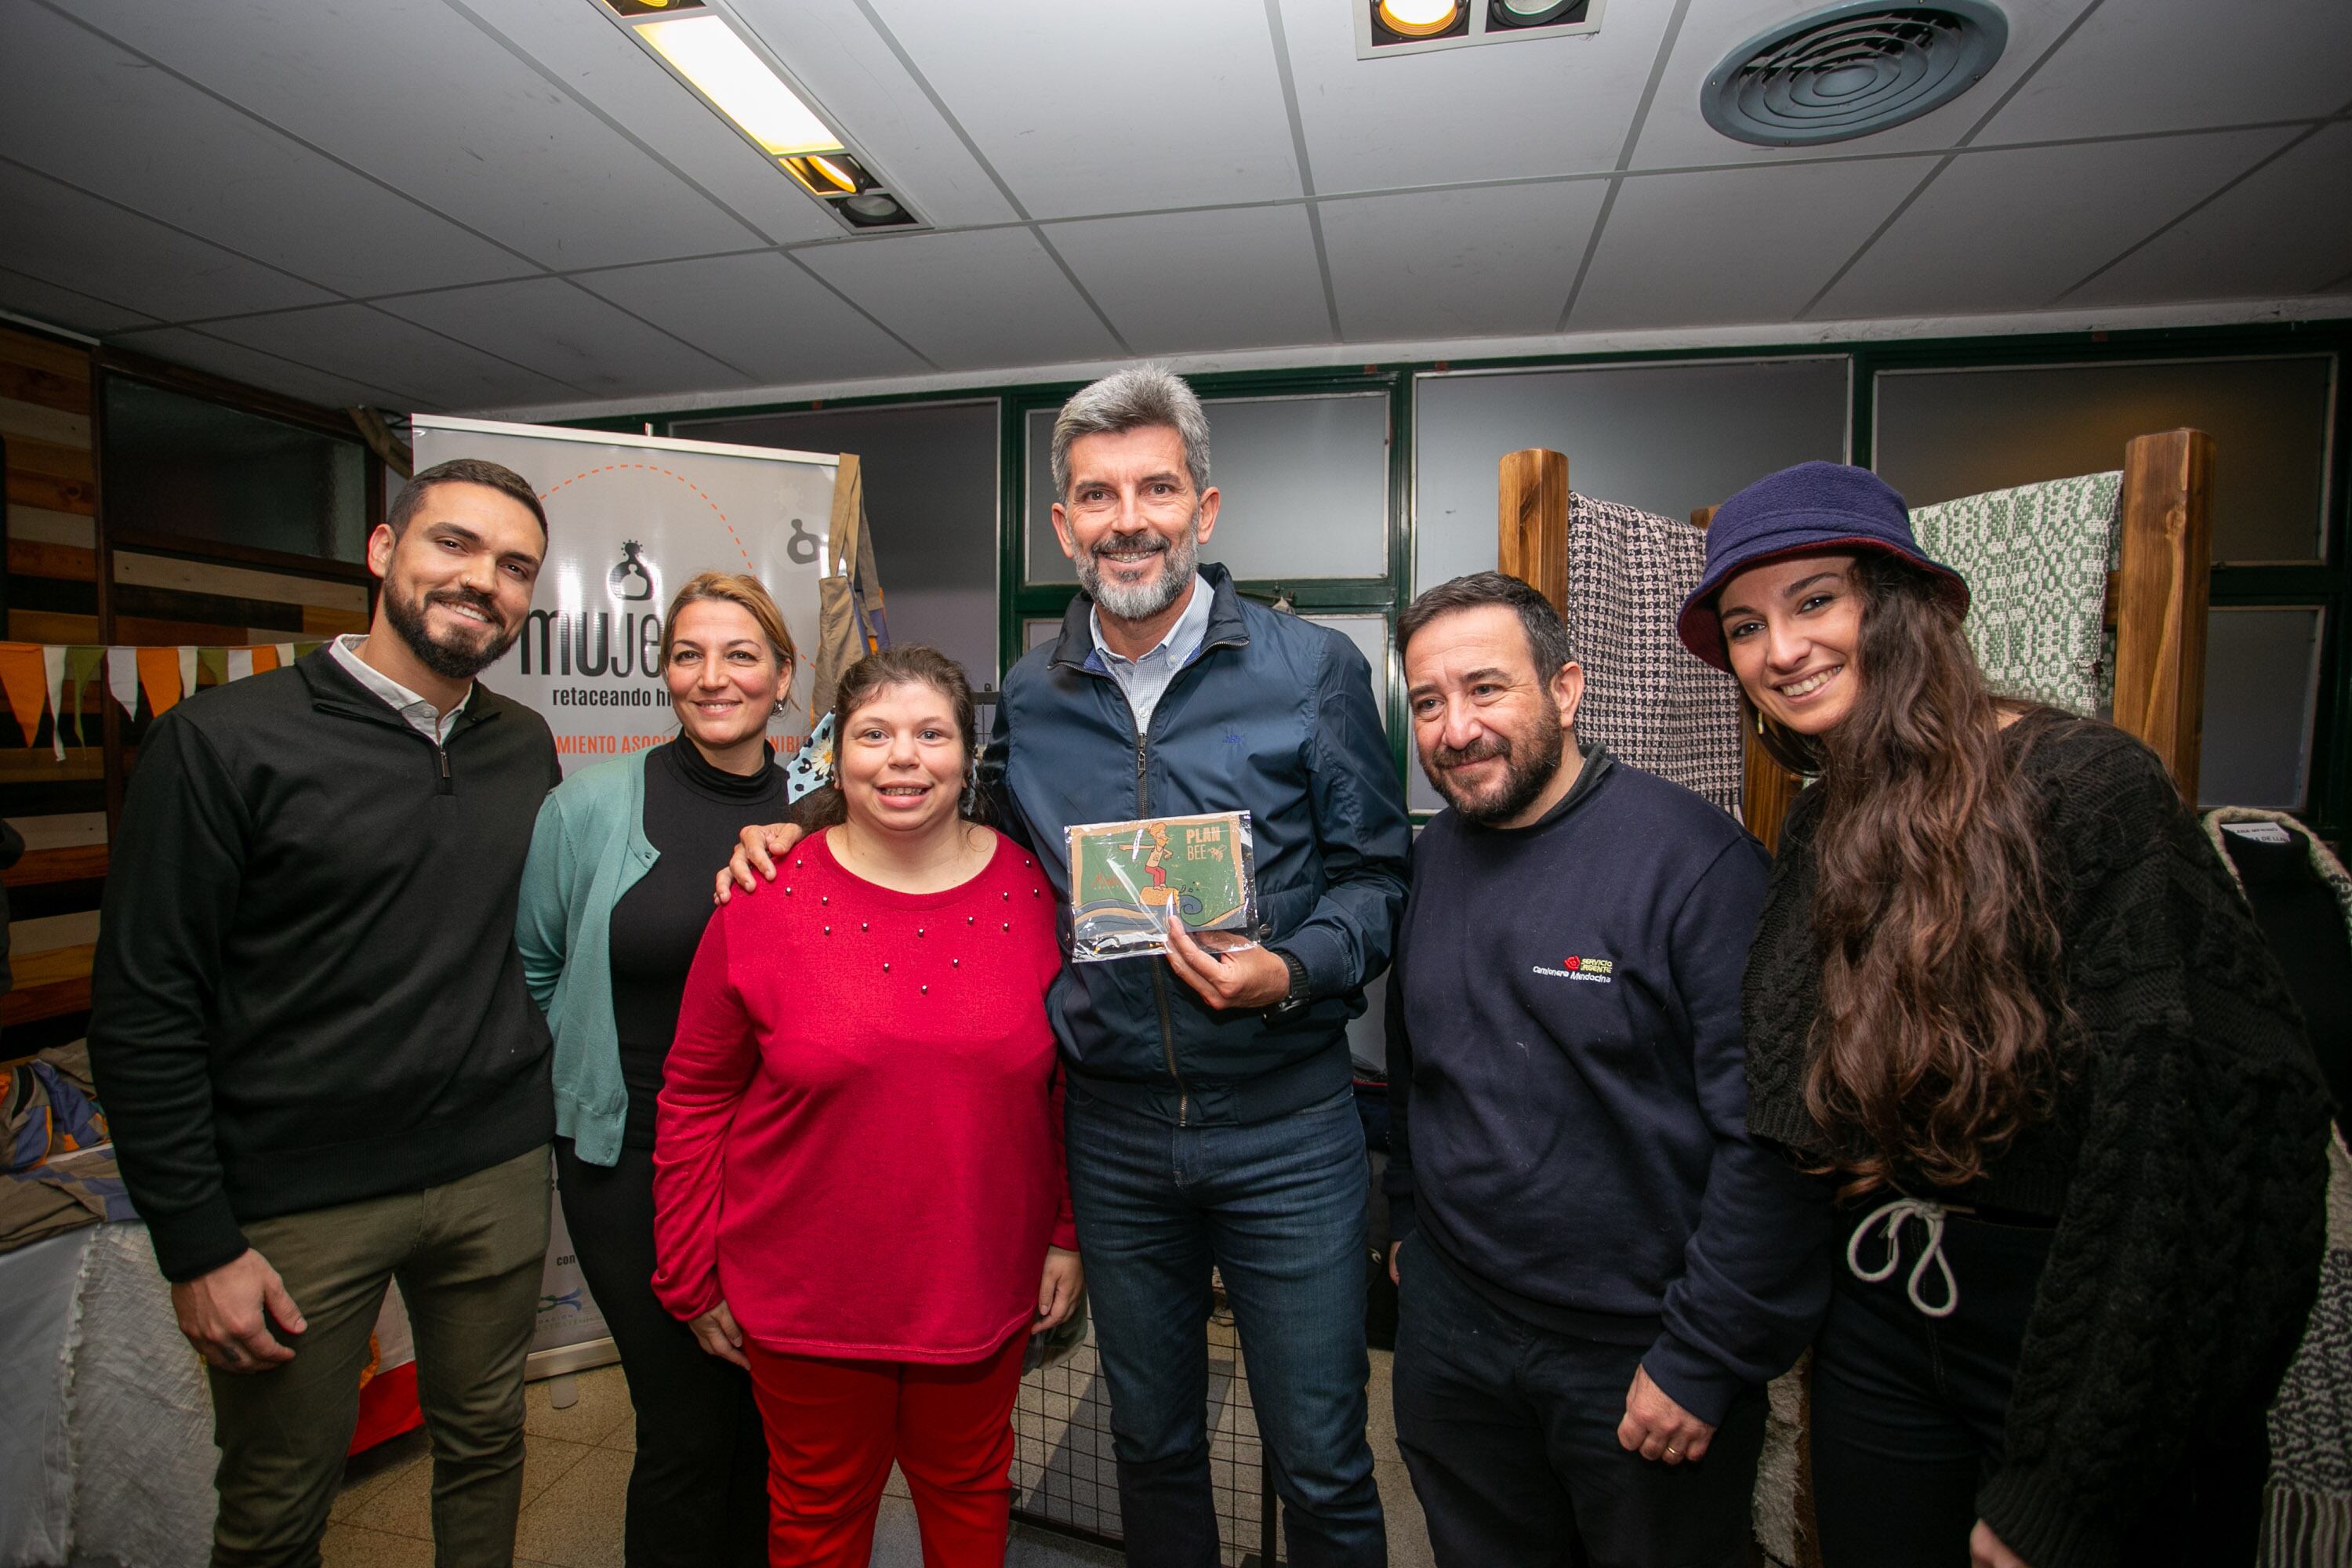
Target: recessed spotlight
829, 175
633, 8
874, 209
1417, 18
1534, 13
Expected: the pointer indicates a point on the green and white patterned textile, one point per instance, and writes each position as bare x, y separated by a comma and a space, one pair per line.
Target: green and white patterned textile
2036, 559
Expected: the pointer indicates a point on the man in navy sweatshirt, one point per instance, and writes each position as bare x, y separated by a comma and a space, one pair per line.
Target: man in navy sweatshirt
1598, 1270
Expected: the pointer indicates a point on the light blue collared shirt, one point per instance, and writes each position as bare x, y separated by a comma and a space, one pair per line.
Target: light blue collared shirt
1145, 679
428, 721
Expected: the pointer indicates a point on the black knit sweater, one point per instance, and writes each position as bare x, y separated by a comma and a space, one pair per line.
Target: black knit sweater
2185, 1161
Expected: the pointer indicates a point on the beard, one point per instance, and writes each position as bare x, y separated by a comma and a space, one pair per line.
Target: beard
456, 656
1530, 759
1140, 601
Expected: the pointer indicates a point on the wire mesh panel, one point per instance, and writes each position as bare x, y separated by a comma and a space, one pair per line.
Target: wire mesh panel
1064, 1475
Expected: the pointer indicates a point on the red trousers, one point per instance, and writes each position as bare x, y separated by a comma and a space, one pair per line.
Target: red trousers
834, 1428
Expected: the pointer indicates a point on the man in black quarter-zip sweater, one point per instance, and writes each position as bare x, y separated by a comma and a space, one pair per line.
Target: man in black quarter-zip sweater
1600, 1270
311, 1037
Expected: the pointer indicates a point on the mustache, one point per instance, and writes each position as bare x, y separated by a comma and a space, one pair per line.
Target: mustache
1141, 541
471, 600
1477, 750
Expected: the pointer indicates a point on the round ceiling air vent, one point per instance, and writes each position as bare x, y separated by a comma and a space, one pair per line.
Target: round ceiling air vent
1848, 70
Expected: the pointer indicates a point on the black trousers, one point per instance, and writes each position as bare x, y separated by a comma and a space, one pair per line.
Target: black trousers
699, 1492
1908, 1414
1509, 1433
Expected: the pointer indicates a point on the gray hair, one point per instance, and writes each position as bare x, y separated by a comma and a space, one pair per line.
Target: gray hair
1133, 399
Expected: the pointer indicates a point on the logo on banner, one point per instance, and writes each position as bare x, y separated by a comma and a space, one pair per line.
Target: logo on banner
629, 580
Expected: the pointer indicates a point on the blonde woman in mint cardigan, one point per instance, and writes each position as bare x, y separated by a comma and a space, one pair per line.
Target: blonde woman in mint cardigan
615, 897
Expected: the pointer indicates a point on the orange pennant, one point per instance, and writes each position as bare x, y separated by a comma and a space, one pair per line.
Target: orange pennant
27, 684
264, 658
159, 672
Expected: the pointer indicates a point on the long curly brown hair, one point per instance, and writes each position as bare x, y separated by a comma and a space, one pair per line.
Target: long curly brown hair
1936, 1040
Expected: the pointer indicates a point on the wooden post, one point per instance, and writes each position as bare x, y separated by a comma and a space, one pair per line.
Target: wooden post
1767, 790
2160, 596
1531, 522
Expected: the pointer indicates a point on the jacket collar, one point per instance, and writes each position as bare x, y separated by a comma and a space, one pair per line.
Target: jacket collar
1077, 644
1598, 764
333, 691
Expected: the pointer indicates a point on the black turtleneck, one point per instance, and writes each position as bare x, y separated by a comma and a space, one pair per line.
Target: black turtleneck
693, 812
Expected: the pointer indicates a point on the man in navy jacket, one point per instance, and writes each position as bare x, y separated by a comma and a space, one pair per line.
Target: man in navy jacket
1211, 1123
1599, 1269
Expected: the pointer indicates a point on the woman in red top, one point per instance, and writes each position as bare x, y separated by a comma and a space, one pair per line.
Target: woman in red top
858, 1184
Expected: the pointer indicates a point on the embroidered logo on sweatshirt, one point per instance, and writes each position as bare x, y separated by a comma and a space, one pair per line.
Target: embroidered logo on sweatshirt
1577, 966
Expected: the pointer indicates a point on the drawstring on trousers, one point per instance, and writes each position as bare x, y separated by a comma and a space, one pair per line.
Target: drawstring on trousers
1889, 1217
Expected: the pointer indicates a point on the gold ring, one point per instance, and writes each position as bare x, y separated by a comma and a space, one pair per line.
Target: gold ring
1670, 1452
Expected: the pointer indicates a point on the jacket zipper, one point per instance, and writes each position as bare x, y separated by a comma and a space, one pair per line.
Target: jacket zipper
1160, 972
441, 755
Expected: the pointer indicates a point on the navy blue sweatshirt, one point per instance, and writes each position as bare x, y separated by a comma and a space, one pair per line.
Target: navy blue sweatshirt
1569, 1086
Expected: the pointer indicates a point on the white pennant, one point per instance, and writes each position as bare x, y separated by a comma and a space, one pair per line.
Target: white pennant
122, 676
53, 663
240, 663
285, 655
187, 672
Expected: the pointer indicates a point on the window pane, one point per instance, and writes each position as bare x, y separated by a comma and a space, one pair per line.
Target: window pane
1668, 438
1037, 633
1943, 434
181, 465
1303, 485
930, 471
2261, 685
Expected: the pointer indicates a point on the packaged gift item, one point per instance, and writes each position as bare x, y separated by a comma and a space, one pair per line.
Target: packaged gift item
1129, 880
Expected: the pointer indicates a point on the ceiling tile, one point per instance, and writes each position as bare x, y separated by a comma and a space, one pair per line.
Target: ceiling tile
56, 233
968, 302
854, 77
366, 343
602, 66
198, 351
416, 94
2170, 65
1485, 262
1179, 282
68, 308
2013, 230
1741, 245
1086, 108
2285, 230
1677, 134
1533, 107
761, 312
174, 153
568, 334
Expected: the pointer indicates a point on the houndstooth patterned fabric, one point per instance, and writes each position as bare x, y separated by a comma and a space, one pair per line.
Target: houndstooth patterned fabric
2036, 559
1653, 705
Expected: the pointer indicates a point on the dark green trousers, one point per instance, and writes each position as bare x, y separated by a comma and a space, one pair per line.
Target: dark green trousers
469, 1255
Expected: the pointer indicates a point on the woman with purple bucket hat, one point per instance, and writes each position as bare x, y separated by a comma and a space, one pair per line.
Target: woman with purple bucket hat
2005, 996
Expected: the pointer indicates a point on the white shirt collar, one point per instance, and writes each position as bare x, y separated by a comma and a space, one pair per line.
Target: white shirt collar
430, 720
1184, 635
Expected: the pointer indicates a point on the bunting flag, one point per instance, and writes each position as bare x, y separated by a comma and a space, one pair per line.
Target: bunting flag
53, 666
122, 676
22, 675
210, 661
83, 666
187, 672
285, 655
240, 663
159, 675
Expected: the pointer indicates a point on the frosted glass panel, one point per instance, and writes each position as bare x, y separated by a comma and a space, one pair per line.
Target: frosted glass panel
931, 497
1668, 438
1946, 433
2262, 683
1303, 485
1037, 633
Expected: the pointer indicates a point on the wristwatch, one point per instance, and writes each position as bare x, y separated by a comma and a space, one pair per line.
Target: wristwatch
1293, 1001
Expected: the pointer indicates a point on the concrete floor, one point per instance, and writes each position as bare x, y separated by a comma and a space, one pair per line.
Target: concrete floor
576, 1478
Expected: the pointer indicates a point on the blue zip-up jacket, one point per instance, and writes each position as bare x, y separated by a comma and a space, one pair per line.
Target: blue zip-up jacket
1274, 715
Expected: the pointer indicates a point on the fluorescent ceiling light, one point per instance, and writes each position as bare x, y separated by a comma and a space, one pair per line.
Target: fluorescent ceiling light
706, 52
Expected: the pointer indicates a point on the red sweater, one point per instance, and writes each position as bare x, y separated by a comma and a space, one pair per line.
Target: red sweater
859, 1143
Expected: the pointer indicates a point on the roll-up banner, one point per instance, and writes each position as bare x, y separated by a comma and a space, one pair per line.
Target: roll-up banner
629, 520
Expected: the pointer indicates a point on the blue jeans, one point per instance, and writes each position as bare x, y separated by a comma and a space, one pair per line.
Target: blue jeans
1279, 1209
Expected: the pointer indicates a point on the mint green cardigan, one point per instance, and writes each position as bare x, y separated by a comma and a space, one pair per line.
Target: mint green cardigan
588, 849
